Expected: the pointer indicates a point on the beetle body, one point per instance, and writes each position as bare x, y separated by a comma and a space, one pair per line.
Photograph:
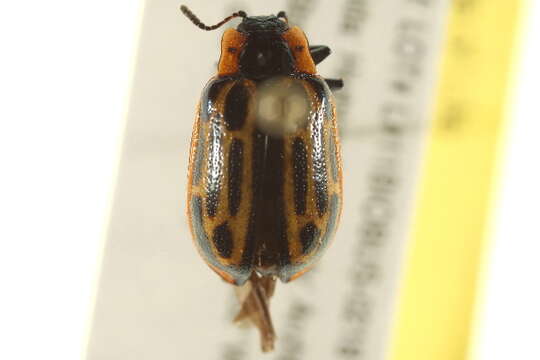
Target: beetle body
265, 184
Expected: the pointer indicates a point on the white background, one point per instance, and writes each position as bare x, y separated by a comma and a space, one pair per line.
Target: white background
64, 83
508, 321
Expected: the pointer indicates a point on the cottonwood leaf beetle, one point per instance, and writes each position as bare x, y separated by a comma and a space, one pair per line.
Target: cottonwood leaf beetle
265, 181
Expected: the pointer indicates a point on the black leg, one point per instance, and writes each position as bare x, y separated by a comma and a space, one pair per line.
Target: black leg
319, 52
334, 84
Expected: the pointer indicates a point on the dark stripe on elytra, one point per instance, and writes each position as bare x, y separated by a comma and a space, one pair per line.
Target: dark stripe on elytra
223, 240
199, 155
320, 177
318, 126
257, 162
209, 97
273, 222
300, 168
276, 165
214, 171
333, 157
321, 189
236, 106
309, 236
236, 158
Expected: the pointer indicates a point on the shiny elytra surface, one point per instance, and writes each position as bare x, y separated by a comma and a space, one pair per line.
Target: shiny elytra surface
259, 200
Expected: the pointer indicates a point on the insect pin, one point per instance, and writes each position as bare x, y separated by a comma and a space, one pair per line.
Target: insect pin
265, 183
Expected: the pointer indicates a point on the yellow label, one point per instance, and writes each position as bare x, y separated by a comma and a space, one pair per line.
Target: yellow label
437, 297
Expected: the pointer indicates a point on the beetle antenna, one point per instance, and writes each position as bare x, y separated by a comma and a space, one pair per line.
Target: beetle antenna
194, 19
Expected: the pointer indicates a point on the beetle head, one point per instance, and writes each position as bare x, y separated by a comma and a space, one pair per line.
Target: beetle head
260, 47
265, 53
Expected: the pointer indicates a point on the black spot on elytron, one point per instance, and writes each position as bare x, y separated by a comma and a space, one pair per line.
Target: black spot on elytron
236, 106
240, 274
214, 168
232, 50
199, 156
333, 157
209, 97
287, 272
300, 175
223, 240
309, 236
236, 158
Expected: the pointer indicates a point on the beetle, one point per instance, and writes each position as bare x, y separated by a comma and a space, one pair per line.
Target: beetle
265, 176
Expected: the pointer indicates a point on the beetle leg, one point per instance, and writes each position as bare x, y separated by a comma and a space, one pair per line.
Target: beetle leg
334, 84
254, 298
319, 53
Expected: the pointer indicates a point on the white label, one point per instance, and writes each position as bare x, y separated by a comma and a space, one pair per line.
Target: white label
157, 299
